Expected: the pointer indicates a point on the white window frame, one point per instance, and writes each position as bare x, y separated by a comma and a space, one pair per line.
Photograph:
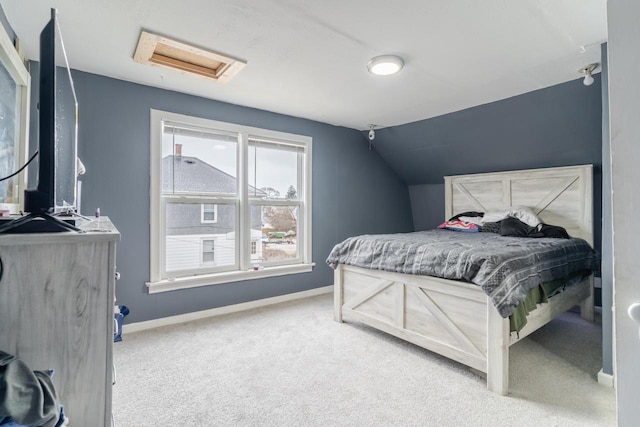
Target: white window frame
254, 247
12, 61
159, 279
203, 210
298, 203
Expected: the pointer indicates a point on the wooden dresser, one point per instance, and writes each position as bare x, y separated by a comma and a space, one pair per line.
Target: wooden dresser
56, 312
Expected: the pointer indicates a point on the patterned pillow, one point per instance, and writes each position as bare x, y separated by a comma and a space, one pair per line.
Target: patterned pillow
467, 227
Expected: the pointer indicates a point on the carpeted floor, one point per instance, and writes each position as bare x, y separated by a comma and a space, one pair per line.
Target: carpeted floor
291, 365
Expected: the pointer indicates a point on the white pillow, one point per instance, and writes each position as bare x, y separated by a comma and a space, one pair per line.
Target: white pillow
522, 213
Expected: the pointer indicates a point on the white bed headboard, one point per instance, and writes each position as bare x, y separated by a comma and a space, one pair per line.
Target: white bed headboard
560, 196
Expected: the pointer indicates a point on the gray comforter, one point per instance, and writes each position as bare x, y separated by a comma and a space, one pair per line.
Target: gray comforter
506, 268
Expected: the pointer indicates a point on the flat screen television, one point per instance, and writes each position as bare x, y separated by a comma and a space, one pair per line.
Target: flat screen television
55, 192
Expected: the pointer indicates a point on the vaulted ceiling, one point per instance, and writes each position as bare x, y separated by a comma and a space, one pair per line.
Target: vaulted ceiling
308, 58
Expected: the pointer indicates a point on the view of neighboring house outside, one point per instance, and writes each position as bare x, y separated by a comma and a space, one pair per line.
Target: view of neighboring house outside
203, 234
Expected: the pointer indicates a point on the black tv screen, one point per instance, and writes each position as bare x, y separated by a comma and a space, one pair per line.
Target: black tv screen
66, 142
57, 128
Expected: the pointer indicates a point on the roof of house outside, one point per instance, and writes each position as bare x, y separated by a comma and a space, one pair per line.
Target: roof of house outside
192, 175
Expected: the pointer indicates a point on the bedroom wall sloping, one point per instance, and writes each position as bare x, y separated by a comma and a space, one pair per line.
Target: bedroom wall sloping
354, 190
555, 126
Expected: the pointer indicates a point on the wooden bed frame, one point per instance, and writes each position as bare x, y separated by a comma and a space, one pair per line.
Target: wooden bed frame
456, 319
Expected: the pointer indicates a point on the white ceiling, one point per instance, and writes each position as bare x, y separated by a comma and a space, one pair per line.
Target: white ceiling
308, 58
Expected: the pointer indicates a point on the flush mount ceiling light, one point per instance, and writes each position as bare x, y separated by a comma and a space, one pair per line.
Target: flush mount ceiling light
588, 78
165, 52
385, 65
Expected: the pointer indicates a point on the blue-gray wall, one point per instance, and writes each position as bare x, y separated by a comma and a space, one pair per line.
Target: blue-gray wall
427, 205
607, 225
354, 190
556, 126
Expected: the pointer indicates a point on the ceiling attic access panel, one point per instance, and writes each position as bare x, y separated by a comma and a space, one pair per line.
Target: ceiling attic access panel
165, 52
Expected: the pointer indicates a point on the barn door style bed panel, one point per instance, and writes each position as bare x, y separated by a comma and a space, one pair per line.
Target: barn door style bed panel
455, 318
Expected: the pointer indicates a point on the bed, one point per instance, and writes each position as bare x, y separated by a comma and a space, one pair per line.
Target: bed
455, 318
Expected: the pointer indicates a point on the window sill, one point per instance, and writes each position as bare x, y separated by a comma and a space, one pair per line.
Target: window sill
226, 277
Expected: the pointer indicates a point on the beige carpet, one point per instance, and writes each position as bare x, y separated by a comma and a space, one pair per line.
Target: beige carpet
292, 365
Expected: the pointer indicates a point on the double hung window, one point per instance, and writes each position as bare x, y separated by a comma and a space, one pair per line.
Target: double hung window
209, 213
14, 120
224, 199
208, 251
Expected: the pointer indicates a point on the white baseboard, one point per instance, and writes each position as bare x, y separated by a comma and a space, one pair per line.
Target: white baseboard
188, 317
605, 379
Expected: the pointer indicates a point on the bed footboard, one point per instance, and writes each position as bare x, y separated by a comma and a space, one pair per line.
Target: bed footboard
447, 317
451, 318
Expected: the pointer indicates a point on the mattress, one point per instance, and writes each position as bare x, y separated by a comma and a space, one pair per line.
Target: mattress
506, 268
